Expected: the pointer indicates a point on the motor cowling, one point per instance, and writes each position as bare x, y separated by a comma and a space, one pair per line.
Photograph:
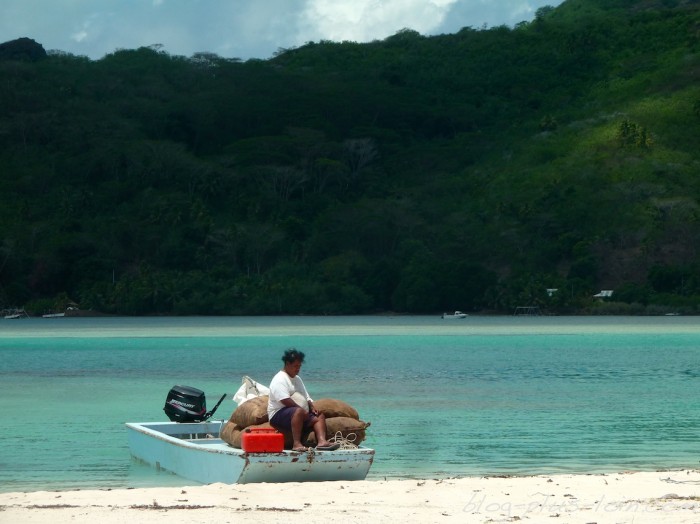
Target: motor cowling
186, 404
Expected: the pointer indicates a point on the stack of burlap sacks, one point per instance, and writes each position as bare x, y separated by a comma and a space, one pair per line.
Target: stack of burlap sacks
342, 421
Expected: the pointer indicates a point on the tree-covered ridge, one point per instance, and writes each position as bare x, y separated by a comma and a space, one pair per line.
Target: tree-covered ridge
416, 174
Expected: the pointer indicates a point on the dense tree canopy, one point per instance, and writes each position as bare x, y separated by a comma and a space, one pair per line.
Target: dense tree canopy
471, 171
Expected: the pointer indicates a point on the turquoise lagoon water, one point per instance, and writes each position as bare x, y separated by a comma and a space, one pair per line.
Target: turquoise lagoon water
479, 396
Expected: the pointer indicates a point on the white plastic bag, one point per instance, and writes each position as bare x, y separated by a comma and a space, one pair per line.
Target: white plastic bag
249, 389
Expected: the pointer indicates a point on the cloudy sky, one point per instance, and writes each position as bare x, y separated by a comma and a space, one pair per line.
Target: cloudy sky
241, 28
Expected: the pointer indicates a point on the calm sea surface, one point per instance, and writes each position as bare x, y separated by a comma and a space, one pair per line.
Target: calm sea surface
483, 395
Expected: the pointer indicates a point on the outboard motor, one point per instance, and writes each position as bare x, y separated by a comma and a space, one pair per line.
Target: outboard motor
188, 404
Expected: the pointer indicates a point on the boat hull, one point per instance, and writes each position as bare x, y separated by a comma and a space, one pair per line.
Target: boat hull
456, 315
194, 451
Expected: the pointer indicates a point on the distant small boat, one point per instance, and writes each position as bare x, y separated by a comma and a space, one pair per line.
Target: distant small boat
68, 310
527, 311
194, 450
12, 314
456, 314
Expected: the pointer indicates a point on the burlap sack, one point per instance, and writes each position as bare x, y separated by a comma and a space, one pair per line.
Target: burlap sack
231, 434
251, 412
332, 408
343, 427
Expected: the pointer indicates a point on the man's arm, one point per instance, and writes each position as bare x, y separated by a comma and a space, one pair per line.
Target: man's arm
312, 409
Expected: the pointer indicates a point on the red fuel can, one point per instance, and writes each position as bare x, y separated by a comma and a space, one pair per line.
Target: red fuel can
262, 440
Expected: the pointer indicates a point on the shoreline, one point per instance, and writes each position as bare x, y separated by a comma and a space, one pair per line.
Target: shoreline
639, 497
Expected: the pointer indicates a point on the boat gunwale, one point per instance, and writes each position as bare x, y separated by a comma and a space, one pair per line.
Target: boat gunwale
226, 449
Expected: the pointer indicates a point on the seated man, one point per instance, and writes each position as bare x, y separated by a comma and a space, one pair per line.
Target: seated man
285, 414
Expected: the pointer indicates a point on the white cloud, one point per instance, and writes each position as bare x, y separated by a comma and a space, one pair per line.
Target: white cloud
364, 20
84, 30
79, 36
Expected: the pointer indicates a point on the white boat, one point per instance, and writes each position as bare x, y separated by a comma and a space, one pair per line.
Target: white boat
456, 314
193, 450
12, 314
61, 314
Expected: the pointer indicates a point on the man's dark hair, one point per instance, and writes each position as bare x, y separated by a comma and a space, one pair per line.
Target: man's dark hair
292, 355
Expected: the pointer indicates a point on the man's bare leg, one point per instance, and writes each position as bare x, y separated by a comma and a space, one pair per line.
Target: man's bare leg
297, 427
320, 430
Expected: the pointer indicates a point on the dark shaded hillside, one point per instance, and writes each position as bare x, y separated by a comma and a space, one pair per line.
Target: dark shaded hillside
472, 171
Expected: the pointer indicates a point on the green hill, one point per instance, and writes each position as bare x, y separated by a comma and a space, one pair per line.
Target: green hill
416, 174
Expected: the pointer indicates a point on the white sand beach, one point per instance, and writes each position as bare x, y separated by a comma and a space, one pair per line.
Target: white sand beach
641, 497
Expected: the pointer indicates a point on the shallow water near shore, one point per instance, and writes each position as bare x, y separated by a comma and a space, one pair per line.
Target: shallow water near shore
478, 396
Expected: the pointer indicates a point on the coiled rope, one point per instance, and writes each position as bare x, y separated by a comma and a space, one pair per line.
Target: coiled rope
346, 442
